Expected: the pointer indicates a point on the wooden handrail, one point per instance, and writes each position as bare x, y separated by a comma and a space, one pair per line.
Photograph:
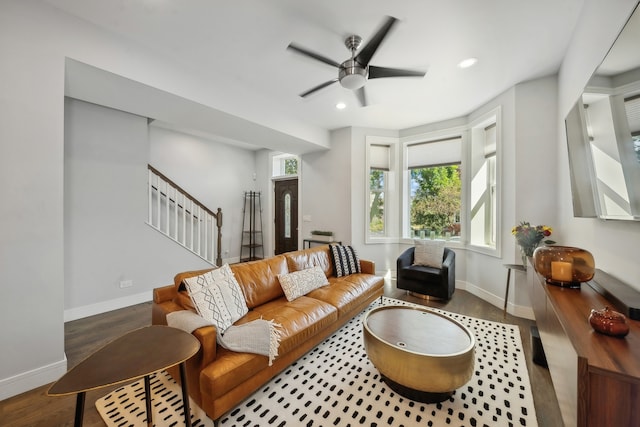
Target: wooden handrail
180, 189
217, 215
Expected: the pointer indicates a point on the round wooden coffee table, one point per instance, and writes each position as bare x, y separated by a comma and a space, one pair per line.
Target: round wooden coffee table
421, 354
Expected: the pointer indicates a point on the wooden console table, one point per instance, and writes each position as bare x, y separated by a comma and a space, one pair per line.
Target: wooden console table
596, 377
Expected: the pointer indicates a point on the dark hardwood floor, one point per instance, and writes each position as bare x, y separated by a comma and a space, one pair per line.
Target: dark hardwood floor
84, 336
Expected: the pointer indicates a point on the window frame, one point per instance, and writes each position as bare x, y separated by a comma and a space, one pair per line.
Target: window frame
390, 191
477, 127
452, 132
281, 158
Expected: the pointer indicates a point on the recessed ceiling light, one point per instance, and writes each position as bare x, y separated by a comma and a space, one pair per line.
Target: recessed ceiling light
341, 105
466, 63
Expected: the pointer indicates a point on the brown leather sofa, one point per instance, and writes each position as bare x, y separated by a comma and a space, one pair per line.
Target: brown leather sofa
220, 379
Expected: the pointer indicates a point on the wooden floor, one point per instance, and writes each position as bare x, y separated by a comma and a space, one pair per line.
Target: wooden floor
84, 336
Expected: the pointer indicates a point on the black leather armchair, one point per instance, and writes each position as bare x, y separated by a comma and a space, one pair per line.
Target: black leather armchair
430, 281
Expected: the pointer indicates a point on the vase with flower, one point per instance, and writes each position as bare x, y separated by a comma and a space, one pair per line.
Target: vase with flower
529, 238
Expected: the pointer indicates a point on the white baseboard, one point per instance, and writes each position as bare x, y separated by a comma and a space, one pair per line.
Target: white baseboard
104, 306
496, 300
29, 380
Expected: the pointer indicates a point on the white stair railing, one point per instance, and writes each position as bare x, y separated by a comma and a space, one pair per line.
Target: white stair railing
183, 219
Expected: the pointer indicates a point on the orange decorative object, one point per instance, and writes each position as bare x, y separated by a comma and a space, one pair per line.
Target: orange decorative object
609, 322
564, 265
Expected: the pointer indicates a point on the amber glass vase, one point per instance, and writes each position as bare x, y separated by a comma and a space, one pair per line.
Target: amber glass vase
564, 266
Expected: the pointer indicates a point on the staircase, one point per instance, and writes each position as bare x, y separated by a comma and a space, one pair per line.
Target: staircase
179, 216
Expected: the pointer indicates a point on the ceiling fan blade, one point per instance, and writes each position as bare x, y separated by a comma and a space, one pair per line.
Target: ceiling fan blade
362, 96
378, 72
317, 88
370, 48
313, 55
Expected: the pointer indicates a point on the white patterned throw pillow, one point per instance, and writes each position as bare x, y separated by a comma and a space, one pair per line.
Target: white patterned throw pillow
428, 253
217, 297
302, 282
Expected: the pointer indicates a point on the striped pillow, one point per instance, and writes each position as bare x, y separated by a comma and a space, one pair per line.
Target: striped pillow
345, 260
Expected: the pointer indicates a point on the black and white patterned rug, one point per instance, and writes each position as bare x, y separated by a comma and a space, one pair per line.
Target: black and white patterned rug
126, 405
336, 385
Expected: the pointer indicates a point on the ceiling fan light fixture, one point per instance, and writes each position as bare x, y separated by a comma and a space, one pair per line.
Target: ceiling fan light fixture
353, 81
352, 75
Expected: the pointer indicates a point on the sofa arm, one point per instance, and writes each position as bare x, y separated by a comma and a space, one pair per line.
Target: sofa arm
163, 294
367, 267
208, 344
449, 259
163, 304
405, 259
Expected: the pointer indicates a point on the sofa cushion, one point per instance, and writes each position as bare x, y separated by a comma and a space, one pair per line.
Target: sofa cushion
312, 257
299, 283
217, 297
429, 253
300, 319
259, 279
345, 260
346, 293
419, 272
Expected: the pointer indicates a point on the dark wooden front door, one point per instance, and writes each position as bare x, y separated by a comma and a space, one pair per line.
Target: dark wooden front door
286, 216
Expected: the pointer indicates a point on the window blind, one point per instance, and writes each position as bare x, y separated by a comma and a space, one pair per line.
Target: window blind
632, 107
379, 157
490, 140
434, 153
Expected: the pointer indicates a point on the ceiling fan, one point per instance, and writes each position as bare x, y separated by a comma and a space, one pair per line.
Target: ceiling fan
355, 71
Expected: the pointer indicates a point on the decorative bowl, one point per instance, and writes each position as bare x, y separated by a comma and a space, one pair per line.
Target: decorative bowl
609, 322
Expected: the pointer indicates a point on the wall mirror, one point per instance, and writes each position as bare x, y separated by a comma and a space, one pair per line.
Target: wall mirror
603, 134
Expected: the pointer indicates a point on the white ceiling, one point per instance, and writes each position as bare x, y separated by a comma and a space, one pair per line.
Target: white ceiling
244, 42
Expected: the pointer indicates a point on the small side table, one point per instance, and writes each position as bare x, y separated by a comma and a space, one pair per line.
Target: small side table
306, 243
510, 267
135, 355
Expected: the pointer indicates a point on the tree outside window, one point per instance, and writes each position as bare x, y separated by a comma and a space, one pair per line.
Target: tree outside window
376, 208
291, 166
436, 201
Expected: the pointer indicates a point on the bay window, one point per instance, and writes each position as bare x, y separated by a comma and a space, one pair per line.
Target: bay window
447, 188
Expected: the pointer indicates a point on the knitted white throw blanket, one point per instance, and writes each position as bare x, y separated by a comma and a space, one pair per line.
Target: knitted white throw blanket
258, 336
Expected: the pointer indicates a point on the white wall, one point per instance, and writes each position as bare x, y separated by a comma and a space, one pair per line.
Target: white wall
326, 191
263, 184
31, 214
614, 244
104, 176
